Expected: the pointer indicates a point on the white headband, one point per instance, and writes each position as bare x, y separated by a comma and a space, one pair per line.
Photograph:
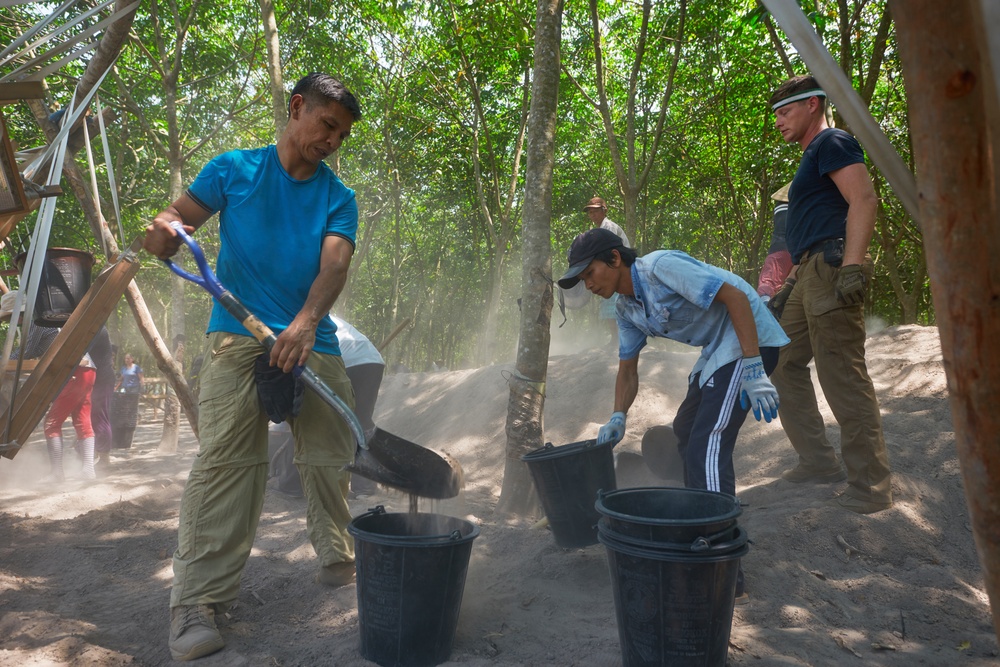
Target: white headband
816, 92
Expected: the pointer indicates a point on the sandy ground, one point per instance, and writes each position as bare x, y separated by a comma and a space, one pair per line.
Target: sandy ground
85, 569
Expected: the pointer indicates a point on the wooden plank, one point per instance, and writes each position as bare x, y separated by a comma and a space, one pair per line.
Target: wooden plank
27, 365
21, 90
57, 364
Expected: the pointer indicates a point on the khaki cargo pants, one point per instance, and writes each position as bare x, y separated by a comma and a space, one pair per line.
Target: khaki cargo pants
834, 334
224, 494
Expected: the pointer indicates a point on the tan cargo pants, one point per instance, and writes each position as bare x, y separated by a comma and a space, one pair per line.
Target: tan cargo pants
834, 334
224, 494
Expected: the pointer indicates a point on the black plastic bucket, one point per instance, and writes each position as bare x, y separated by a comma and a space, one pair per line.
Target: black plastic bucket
410, 577
568, 479
668, 514
64, 281
673, 608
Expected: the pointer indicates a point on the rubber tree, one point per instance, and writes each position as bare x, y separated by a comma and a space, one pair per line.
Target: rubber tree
951, 84
527, 384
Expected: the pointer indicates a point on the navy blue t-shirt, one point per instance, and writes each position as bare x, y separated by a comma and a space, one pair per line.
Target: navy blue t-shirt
816, 209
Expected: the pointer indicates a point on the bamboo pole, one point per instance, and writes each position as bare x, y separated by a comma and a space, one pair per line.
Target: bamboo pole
951, 95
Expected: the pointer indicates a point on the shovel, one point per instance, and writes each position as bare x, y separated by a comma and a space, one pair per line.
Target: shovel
386, 459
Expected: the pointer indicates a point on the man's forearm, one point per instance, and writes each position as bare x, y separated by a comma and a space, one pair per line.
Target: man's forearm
626, 385
324, 292
860, 227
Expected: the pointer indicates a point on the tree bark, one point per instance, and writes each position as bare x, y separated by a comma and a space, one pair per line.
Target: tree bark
274, 67
527, 386
953, 101
107, 50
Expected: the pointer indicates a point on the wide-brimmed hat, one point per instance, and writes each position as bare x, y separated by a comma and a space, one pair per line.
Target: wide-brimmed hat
781, 194
595, 202
7, 304
585, 248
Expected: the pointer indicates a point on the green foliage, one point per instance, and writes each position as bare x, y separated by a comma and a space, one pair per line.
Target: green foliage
442, 91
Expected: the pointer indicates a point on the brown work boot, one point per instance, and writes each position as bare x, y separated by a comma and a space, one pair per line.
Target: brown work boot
337, 574
193, 633
802, 473
859, 506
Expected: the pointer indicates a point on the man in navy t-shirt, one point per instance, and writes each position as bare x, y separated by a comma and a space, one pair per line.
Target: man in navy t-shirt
831, 218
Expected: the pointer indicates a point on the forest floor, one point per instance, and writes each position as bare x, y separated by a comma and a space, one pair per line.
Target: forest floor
85, 569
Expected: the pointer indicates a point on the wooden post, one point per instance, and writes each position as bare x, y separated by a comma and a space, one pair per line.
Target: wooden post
950, 94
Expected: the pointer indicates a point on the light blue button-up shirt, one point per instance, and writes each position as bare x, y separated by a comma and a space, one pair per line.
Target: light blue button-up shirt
675, 298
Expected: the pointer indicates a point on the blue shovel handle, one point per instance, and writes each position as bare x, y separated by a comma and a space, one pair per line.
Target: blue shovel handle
260, 331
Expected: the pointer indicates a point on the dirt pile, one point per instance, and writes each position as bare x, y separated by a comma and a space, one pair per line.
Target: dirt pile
85, 570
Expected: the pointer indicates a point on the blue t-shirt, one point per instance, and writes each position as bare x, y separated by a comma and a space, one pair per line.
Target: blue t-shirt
130, 378
675, 298
272, 228
816, 209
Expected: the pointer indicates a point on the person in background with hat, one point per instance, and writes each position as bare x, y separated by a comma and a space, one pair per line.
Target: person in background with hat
669, 294
597, 210
831, 218
778, 262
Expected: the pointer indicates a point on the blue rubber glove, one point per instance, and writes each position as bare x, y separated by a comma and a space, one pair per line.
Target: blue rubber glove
613, 431
756, 390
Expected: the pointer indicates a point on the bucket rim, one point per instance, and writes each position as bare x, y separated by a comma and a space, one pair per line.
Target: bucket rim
738, 551
604, 510
550, 451
704, 545
440, 540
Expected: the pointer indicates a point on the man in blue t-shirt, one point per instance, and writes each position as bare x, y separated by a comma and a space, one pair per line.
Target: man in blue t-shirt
287, 226
831, 218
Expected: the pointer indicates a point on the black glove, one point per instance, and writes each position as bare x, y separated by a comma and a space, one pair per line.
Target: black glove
777, 302
280, 392
850, 289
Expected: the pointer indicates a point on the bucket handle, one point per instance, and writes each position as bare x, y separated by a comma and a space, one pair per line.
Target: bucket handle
372, 511
705, 543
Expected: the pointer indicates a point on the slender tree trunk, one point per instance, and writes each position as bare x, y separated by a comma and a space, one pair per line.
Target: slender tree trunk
274, 67
171, 406
107, 50
527, 386
953, 98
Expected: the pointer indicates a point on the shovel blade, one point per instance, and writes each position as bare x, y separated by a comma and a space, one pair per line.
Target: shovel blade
400, 464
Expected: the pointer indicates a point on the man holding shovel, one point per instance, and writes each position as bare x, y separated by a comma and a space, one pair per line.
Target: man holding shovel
287, 226
669, 294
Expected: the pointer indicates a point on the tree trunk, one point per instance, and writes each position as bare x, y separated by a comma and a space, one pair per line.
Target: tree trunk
172, 407
527, 387
278, 108
107, 50
953, 100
